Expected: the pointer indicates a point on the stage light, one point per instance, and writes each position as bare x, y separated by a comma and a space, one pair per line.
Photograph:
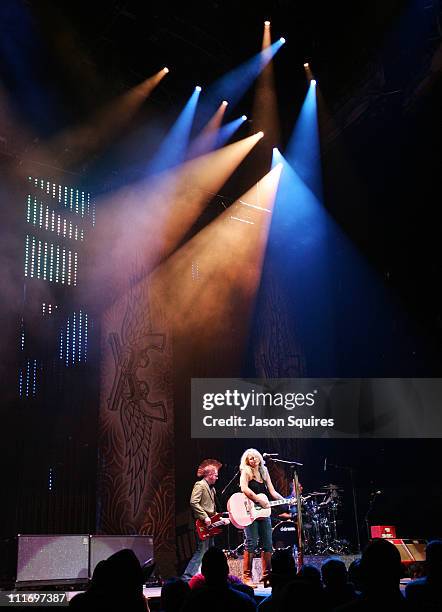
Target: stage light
306, 64
313, 81
267, 24
198, 88
244, 117
165, 69
224, 102
260, 134
282, 40
276, 157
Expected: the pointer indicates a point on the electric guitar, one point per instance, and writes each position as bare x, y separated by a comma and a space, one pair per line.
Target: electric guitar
243, 511
208, 531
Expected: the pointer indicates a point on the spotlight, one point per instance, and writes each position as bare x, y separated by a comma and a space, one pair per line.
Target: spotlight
224, 103
313, 81
267, 24
306, 64
165, 69
260, 134
244, 117
275, 150
197, 88
282, 40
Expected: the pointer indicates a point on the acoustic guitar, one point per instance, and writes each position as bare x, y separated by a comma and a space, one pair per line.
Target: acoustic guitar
243, 511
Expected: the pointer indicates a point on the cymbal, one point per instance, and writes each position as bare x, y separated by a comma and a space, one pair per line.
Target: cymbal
318, 493
332, 487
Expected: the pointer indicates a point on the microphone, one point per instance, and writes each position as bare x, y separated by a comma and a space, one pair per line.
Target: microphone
265, 455
325, 464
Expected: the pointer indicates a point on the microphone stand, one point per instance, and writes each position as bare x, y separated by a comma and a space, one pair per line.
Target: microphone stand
373, 497
285, 461
297, 493
235, 475
230, 482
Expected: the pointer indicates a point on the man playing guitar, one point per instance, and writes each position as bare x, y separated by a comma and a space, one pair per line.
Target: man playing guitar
203, 506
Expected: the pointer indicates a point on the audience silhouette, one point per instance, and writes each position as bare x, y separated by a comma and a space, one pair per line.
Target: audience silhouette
426, 593
174, 593
117, 583
337, 589
217, 595
380, 572
283, 571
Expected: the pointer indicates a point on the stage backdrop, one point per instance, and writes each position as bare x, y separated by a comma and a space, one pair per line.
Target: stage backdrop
136, 493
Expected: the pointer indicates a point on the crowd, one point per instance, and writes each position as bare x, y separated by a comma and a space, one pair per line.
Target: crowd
370, 583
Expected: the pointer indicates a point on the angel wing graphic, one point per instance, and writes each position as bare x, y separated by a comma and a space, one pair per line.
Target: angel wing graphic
130, 394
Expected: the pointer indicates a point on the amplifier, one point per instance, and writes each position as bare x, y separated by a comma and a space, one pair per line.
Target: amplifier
383, 531
410, 550
52, 558
103, 546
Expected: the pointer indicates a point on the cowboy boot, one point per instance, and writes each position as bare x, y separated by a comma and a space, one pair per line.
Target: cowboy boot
266, 561
247, 569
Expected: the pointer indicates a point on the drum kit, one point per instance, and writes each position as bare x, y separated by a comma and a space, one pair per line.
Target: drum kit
319, 524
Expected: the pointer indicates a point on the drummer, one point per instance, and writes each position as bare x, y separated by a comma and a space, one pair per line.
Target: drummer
285, 516
286, 513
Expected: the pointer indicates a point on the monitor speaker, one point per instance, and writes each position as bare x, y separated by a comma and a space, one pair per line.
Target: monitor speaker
52, 558
236, 568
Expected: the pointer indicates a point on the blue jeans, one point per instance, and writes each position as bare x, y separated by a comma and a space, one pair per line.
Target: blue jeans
193, 566
259, 530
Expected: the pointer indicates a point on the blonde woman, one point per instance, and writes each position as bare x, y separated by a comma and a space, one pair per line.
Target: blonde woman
255, 479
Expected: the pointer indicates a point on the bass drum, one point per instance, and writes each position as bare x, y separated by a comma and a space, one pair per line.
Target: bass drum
285, 535
307, 512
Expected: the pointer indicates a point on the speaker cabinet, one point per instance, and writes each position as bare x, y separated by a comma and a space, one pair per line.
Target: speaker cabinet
410, 550
52, 558
103, 546
417, 549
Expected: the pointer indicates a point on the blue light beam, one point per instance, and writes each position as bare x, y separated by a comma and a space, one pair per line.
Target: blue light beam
227, 131
207, 142
303, 152
173, 148
233, 85
298, 251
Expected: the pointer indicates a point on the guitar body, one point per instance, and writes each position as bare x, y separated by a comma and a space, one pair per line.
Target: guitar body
209, 531
242, 511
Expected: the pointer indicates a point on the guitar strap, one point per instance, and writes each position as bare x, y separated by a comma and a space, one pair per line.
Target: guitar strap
216, 500
212, 493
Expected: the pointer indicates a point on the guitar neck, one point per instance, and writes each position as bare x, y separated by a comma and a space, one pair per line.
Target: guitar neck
279, 502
